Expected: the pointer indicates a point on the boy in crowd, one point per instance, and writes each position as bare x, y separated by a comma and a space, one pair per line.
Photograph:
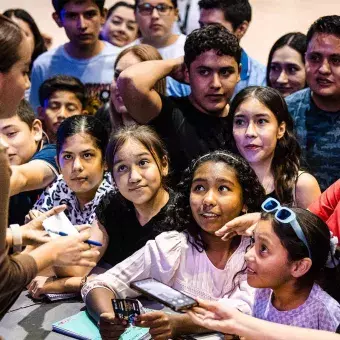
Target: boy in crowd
193, 125
316, 110
84, 56
235, 15
60, 97
32, 162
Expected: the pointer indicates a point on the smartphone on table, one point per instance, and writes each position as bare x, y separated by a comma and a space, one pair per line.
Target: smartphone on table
164, 294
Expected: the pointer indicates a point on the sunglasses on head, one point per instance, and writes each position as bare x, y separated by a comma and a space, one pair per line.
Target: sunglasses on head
286, 216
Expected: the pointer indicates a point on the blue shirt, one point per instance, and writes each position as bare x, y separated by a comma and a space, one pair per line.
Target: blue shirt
318, 132
96, 72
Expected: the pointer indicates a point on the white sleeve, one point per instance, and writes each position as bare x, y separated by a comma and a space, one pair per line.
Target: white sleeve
241, 298
158, 259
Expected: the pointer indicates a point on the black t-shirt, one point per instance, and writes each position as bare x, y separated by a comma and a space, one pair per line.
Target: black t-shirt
126, 235
188, 132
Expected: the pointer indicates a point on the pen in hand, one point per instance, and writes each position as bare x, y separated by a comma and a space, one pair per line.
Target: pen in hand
90, 242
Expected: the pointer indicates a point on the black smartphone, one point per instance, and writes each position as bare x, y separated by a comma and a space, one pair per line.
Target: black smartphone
126, 309
166, 295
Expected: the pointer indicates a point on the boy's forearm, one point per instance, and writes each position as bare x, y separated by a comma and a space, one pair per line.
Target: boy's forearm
145, 75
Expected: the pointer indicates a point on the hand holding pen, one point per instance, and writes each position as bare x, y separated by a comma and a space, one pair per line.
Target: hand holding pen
61, 233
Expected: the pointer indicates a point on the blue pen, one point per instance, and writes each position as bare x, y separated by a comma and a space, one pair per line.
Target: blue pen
61, 233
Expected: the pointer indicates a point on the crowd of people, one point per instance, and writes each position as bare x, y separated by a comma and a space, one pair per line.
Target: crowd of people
187, 159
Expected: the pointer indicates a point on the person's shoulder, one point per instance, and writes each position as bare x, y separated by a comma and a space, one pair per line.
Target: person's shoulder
255, 64
110, 50
47, 151
169, 240
323, 301
298, 96
46, 57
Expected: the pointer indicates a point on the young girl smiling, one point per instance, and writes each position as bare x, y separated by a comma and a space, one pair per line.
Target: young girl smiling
215, 188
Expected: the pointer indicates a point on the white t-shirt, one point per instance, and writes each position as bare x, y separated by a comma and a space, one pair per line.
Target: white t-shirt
171, 259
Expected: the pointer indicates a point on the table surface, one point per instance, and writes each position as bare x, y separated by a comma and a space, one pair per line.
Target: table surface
32, 320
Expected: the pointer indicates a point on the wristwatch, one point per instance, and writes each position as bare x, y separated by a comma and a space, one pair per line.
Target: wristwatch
16, 238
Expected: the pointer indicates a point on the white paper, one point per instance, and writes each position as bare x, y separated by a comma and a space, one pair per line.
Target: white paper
59, 222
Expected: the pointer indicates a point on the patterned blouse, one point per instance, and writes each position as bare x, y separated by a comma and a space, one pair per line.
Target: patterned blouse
60, 193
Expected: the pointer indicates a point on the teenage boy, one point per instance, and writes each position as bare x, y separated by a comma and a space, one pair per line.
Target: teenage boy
84, 56
235, 15
60, 97
32, 162
316, 110
193, 125
155, 20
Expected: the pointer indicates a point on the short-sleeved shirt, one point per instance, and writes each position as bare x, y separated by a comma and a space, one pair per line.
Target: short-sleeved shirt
60, 193
188, 132
96, 72
319, 311
318, 132
126, 234
21, 203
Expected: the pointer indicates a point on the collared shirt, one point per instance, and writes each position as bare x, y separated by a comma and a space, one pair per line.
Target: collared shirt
252, 73
59, 193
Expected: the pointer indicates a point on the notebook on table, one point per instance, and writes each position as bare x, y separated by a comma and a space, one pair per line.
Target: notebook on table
81, 326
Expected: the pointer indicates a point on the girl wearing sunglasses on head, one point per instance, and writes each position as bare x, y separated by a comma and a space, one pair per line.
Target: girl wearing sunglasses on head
291, 248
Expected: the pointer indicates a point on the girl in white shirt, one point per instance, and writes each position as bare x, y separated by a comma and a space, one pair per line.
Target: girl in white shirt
216, 188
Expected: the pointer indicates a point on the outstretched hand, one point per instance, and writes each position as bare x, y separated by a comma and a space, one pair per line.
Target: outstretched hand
242, 225
214, 315
33, 232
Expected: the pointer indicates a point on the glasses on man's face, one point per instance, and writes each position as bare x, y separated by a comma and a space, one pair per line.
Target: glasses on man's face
147, 9
286, 216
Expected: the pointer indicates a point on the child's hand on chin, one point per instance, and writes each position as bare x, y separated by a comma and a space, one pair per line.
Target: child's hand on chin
162, 325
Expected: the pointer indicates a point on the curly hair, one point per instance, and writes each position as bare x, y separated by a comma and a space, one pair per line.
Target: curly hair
295, 40
252, 193
211, 37
286, 161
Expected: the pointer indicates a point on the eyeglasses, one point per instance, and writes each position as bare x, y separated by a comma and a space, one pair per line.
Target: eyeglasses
147, 9
286, 216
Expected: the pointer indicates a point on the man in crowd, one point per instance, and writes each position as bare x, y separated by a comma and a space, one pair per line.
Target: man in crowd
84, 56
316, 110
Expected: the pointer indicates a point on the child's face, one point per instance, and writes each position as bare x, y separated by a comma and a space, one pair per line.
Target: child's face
124, 62
82, 22
61, 105
256, 131
267, 260
81, 163
215, 196
136, 173
22, 140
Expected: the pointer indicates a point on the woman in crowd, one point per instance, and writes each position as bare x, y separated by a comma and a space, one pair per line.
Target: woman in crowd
216, 188
263, 135
120, 28
18, 270
115, 114
286, 64
31, 30
81, 145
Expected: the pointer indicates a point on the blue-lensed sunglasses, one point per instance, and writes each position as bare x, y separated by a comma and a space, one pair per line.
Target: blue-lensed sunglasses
286, 216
